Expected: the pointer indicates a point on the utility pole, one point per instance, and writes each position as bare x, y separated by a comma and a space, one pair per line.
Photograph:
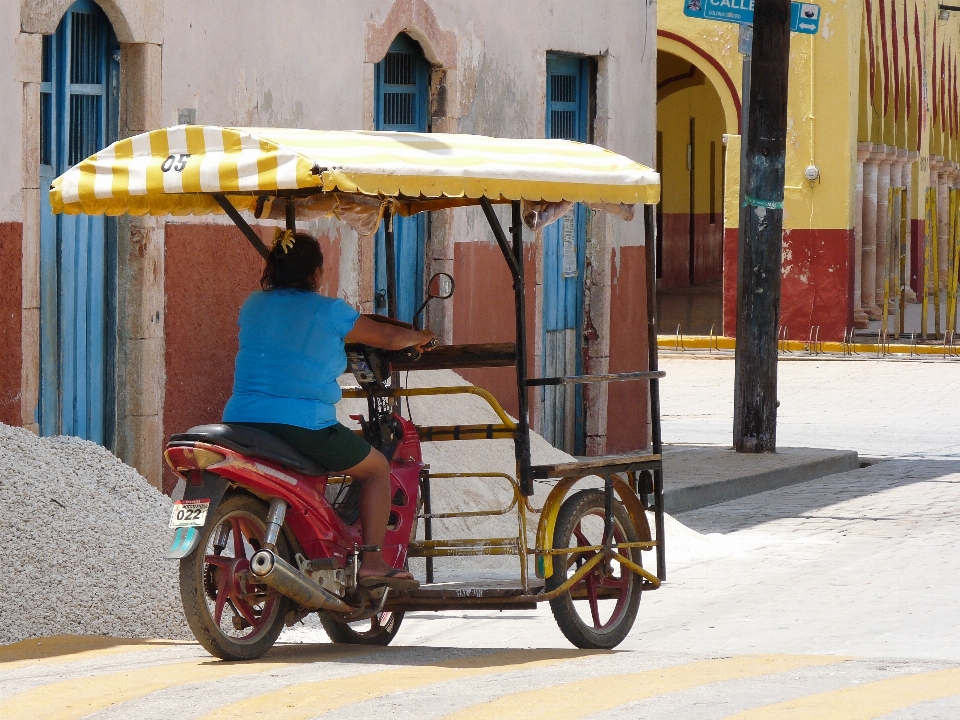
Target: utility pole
761, 232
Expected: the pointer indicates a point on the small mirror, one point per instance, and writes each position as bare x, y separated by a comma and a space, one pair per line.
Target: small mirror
441, 286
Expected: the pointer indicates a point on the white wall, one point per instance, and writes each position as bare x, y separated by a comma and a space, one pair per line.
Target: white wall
301, 62
279, 63
11, 113
304, 63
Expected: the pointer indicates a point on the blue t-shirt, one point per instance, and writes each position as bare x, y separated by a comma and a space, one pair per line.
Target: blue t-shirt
291, 352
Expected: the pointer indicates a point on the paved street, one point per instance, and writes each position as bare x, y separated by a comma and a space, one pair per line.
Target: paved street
834, 598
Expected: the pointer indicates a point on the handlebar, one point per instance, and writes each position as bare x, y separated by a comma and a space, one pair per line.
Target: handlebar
407, 354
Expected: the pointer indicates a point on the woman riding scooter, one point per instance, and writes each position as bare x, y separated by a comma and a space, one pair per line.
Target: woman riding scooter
285, 383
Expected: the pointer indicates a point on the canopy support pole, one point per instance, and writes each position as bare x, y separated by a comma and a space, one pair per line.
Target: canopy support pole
390, 256
656, 439
501, 238
514, 257
523, 424
290, 213
248, 232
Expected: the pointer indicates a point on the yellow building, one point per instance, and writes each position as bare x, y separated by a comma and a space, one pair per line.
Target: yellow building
873, 105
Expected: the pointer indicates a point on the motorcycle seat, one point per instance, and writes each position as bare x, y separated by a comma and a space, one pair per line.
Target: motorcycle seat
249, 441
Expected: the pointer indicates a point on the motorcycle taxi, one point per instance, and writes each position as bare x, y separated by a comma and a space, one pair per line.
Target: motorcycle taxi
263, 535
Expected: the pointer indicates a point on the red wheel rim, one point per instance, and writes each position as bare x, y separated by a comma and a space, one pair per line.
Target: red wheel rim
231, 583
600, 583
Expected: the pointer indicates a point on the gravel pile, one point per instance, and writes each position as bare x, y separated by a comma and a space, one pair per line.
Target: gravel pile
83, 539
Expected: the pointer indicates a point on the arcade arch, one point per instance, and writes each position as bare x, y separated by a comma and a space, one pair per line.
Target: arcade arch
693, 115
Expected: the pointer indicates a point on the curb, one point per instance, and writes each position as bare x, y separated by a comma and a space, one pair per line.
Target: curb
680, 500
720, 342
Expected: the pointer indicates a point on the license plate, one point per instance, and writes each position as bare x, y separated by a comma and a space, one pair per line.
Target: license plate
189, 513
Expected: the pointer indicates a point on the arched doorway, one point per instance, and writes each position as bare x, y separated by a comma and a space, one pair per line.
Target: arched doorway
690, 157
78, 116
401, 104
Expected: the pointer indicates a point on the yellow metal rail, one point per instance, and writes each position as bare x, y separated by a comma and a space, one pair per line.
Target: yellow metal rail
459, 547
359, 393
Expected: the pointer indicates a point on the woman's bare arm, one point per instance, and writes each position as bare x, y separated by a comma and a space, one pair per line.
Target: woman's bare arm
386, 336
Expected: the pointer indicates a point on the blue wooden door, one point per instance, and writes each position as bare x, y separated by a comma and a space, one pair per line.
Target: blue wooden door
402, 79
564, 252
78, 117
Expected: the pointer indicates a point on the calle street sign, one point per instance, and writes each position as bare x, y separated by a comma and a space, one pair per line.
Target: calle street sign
804, 17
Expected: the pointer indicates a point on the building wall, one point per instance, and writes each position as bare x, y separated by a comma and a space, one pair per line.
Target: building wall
483, 311
881, 79
11, 239
190, 58
210, 271
11, 113
909, 106
489, 78
627, 418
11, 214
821, 130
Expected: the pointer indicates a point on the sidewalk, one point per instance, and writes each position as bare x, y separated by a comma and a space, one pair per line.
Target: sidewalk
699, 475
880, 408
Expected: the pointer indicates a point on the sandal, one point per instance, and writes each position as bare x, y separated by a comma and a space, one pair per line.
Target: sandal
391, 581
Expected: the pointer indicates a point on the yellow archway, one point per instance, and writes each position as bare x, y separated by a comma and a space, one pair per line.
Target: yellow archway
726, 87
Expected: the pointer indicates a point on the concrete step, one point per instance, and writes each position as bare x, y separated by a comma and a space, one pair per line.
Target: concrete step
699, 475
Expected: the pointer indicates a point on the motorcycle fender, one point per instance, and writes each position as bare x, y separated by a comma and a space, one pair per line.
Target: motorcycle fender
186, 539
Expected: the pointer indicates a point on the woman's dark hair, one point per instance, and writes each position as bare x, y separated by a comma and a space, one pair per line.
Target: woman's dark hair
295, 268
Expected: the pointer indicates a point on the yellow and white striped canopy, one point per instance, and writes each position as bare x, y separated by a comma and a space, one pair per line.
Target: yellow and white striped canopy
177, 170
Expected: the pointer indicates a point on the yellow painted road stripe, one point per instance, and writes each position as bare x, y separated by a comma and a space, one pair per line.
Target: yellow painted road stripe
865, 349
865, 701
76, 698
587, 697
308, 700
71, 648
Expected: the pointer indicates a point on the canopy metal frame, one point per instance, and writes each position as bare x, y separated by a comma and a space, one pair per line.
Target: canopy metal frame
647, 473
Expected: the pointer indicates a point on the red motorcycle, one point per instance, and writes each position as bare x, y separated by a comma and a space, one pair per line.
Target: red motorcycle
265, 536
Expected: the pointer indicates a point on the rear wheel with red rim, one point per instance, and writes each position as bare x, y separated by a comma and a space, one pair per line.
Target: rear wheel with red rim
599, 611
378, 630
232, 616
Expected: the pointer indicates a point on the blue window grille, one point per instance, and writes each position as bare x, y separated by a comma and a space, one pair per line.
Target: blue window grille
401, 104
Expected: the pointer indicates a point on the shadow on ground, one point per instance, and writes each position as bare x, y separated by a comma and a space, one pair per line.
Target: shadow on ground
814, 495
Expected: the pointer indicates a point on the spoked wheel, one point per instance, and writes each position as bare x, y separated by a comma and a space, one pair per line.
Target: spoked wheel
231, 615
600, 610
378, 630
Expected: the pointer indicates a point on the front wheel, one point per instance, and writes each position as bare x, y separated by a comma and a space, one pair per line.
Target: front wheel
232, 616
599, 611
378, 630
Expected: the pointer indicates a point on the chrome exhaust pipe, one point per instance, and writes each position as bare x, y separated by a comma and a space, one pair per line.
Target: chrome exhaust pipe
287, 580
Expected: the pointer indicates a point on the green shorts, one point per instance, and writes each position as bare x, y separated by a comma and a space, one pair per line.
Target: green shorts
336, 448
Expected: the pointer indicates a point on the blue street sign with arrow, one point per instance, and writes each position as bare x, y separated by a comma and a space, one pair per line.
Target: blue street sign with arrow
804, 17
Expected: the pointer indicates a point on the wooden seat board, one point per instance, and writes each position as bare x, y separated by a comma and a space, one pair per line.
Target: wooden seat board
609, 463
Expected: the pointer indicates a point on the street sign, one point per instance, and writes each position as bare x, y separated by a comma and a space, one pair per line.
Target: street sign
804, 17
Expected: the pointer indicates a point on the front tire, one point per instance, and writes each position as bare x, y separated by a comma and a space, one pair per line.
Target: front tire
231, 616
599, 611
378, 630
